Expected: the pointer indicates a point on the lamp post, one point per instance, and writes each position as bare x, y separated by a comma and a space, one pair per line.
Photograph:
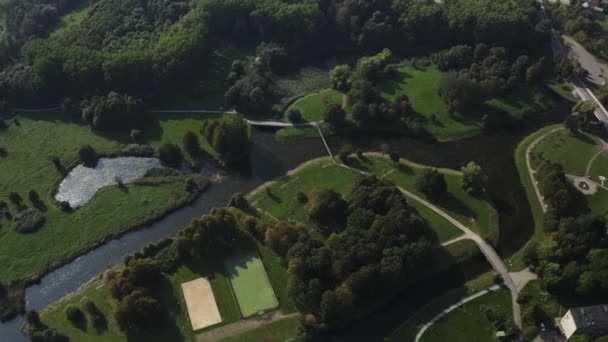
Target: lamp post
602, 179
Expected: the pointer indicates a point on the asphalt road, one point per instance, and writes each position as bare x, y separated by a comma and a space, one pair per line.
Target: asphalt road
587, 61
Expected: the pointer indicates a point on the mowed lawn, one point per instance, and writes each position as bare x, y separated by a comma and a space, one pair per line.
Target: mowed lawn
31, 142
313, 107
421, 85
467, 323
572, 152
279, 331
170, 295
600, 167
250, 283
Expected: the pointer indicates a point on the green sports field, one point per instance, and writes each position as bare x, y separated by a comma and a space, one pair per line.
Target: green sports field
250, 284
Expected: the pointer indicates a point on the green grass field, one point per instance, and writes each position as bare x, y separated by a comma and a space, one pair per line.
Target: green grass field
313, 106
572, 152
171, 296
600, 167
421, 86
283, 330
30, 146
250, 283
408, 330
468, 323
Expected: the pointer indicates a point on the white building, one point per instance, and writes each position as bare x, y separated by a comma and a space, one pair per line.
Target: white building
589, 320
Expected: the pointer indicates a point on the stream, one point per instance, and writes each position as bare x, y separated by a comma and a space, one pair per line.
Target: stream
271, 159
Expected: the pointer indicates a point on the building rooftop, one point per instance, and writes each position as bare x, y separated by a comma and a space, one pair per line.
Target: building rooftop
590, 316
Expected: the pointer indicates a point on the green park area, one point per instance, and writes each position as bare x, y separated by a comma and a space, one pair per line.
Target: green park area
280, 201
170, 294
312, 107
421, 85
410, 328
573, 152
250, 283
468, 323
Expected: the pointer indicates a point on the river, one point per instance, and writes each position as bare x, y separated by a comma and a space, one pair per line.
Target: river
271, 159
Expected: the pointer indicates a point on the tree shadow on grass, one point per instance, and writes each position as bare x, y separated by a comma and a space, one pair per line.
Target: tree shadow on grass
584, 138
454, 204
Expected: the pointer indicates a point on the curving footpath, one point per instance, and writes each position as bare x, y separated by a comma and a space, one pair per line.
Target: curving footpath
531, 171
446, 311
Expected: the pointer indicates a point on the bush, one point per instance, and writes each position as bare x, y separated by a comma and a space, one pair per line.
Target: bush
88, 156
3, 152
3, 124
65, 206
33, 196
14, 198
345, 153
301, 197
74, 314
432, 183
29, 221
394, 157
135, 150
530, 333
98, 320
170, 155
191, 143
239, 201
294, 115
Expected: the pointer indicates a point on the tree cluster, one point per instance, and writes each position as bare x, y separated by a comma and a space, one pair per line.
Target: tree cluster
135, 288
229, 137
474, 74
376, 242
114, 112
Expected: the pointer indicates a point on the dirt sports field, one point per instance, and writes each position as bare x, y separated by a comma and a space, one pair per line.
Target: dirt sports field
200, 302
250, 284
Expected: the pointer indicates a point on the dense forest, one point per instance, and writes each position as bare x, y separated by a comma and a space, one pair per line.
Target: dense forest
143, 47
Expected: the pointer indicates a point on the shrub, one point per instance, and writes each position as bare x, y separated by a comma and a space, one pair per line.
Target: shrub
301, 197
3, 124
432, 183
345, 153
359, 153
98, 320
74, 314
29, 221
170, 155
191, 143
135, 150
88, 156
294, 115
65, 206
14, 197
394, 157
239, 201
33, 196
3, 152
251, 223
530, 333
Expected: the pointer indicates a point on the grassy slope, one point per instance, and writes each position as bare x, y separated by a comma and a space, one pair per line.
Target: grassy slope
573, 153
171, 128
27, 166
408, 330
320, 174
473, 212
283, 330
468, 323
71, 20
421, 86
313, 106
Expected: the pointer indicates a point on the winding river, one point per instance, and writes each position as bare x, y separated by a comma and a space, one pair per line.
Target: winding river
271, 159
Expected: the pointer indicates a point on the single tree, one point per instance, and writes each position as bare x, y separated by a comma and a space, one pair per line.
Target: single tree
394, 157
88, 156
170, 155
335, 116
473, 179
191, 143
432, 183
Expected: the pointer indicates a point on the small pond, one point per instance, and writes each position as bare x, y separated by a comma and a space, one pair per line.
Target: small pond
81, 184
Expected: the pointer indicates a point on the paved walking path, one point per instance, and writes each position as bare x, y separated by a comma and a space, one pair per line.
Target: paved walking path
452, 308
242, 326
454, 240
531, 171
